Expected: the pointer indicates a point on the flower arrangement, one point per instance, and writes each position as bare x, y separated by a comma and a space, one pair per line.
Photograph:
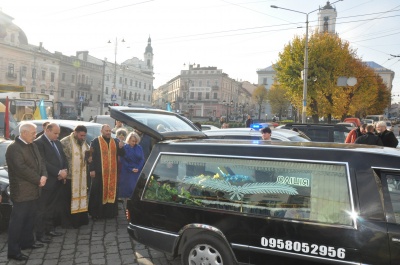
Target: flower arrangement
166, 193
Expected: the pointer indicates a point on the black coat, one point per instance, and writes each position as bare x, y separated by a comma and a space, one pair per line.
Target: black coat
248, 123
370, 139
25, 168
388, 139
53, 164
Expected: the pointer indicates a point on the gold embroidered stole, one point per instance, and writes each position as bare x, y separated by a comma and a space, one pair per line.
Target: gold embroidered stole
109, 169
79, 200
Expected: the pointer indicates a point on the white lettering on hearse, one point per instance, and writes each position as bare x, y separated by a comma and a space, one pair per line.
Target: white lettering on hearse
293, 181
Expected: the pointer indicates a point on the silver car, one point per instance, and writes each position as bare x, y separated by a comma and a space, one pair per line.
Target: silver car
66, 128
251, 134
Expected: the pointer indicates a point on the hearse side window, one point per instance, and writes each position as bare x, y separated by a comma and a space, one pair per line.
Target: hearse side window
281, 189
392, 187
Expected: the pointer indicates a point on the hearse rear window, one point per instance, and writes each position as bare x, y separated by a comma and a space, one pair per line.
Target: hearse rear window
282, 189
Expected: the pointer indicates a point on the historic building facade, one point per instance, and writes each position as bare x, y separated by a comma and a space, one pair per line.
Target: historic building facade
23, 64
203, 93
81, 85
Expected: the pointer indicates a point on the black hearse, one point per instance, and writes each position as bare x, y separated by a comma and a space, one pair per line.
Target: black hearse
256, 202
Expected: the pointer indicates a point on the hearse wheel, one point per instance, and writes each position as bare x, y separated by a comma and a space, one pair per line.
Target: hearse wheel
206, 249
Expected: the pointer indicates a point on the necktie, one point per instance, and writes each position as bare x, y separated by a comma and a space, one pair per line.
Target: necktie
57, 152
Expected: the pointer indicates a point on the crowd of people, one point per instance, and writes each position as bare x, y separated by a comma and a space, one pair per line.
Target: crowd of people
376, 134
63, 182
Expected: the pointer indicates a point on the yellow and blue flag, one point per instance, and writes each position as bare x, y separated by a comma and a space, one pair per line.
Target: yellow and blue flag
40, 112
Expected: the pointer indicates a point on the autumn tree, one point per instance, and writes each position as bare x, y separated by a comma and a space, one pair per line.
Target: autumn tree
277, 99
329, 58
260, 97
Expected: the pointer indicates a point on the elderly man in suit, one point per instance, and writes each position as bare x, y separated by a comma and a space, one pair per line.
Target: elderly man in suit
56, 164
27, 174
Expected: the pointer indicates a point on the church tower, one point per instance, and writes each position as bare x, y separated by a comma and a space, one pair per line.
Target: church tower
327, 18
148, 55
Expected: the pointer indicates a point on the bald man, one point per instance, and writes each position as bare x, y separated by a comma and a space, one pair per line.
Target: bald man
103, 171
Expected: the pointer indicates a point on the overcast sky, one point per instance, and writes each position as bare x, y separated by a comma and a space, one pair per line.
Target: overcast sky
237, 36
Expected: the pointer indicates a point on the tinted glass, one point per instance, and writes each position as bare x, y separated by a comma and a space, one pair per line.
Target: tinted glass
393, 186
339, 137
318, 135
161, 123
281, 189
297, 138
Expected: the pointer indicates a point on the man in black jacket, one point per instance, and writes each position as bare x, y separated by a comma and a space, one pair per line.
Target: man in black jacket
387, 137
56, 165
369, 138
27, 173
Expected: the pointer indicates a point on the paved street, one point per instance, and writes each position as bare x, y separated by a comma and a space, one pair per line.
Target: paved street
101, 242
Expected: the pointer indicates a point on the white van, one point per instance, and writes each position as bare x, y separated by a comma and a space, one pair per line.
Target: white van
375, 118
104, 119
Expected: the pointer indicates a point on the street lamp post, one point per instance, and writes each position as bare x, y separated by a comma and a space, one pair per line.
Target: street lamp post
226, 104
115, 66
123, 68
305, 70
230, 108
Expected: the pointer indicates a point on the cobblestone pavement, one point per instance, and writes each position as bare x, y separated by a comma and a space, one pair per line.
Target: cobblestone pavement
103, 242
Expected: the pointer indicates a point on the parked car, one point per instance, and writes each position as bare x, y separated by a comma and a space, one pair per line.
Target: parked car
389, 125
219, 201
5, 205
349, 125
206, 127
356, 121
66, 128
104, 119
260, 125
368, 121
251, 134
321, 132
